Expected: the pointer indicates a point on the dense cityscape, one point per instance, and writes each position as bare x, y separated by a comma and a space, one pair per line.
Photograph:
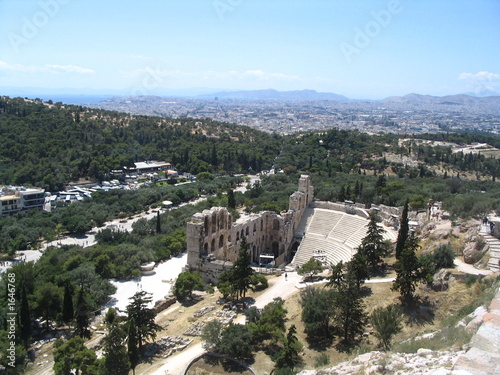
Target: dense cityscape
411, 114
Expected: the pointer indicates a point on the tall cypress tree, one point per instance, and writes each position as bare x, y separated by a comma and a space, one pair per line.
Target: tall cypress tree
409, 270
25, 316
242, 270
158, 223
231, 201
68, 311
403, 231
132, 345
82, 314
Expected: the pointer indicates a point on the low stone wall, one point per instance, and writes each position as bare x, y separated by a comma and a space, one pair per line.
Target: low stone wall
242, 364
355, 209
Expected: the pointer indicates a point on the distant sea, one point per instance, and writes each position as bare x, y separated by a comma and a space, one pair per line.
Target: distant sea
75, 99
64, 98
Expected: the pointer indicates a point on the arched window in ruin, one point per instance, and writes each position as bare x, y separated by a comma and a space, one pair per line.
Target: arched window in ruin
205, 249
222, 220
275, 249
276, 224
247, 232
214, 222
206, 225
221, 241
242, 233
254, 227
213, 245
237, 236
261, 225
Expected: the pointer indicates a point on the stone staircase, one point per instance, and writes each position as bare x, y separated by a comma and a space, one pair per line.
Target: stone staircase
494, 252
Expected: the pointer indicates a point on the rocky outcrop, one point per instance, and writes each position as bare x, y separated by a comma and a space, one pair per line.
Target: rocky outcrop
483, 358
164, 303
425, 361
441, 278
474, 246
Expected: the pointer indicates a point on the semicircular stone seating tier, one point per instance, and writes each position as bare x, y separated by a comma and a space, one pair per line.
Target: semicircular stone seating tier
330, 236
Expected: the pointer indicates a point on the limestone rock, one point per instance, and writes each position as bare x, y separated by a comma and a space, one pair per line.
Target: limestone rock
471, 253
441, 234
477, 316
440, 282
422, 352
165, 303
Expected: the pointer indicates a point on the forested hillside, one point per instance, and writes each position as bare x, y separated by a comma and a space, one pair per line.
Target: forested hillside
48, 145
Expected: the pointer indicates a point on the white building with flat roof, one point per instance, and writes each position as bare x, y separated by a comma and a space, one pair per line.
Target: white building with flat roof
14, 199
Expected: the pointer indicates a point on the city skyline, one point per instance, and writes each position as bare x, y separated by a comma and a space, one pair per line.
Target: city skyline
371, 50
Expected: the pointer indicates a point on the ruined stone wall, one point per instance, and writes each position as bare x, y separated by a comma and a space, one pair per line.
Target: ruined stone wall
356, 209
213, 240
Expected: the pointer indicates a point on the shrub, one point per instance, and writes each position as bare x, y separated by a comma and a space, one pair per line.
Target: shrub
469, 280
387, 323
444, 257
321, 360
259, 281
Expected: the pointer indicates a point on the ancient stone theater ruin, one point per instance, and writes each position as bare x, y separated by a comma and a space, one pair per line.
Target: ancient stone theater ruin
328, 231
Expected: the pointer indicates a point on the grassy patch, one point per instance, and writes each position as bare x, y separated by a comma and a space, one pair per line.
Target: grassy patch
449, 336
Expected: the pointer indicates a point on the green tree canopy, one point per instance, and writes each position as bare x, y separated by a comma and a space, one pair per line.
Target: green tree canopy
186, 283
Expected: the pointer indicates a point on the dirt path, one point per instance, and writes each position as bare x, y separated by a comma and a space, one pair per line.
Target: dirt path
281, 286
469, 268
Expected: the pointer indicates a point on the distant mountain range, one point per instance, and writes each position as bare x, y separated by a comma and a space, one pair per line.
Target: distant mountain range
460, 99
91, 96
272, 94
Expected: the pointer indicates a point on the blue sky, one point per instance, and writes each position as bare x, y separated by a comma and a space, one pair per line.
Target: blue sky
361, 49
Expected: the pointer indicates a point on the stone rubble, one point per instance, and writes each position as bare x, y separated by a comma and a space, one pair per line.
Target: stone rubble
204, 310
424, 362
223, 316
167, 345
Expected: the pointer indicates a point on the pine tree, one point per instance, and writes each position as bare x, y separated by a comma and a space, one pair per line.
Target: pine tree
373, 246
403, 231
357, 269
116, 360
349, 313
288, 356
143, 316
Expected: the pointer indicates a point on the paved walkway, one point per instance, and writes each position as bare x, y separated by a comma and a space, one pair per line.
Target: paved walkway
483, 358
469, 268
